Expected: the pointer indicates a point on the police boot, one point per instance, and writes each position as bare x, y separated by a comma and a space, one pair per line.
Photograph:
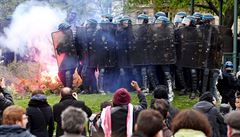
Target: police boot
144, 80
194, 84
169, 85
192, 95
182, 82
100, 81
152, 78
183, 92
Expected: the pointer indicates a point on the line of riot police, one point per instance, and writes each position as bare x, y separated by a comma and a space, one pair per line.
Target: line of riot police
145, 52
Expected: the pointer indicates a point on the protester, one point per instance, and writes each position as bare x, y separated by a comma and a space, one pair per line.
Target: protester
118, 121
68, 98
162, 106
206, 105
94, 120
237, 100
161, 92
73, 122
5, 98
149, 123
14, 122
40, 115
191, 123
233, 122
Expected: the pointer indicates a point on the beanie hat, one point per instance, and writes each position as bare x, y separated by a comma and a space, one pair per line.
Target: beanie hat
121, 97
207, 96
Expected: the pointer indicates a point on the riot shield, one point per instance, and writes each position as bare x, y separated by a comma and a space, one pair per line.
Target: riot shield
192, 48
86, 38
214, 43
201, 47
65, 51
124, 37
105, 46
139, 54
162, 50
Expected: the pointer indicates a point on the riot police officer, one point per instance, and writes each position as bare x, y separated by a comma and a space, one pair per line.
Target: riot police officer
89, 63
190, 22
106, 56
124, 38
198, 18
158, 14
180, 71
178, 18
70, 60
210, 77
228, 84
163, 23
140, 70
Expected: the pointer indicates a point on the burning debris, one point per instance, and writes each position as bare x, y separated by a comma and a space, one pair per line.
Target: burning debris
22, 77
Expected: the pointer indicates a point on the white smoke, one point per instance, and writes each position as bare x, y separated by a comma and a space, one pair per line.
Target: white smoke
31, 28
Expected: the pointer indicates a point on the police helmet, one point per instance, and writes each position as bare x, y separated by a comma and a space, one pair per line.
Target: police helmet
181, 14
160, 13
208, 17
125, 19
143, 16
228, 65
91, 21
104, 21
189, 20
108, 16
197, 15
163, 20
63, 26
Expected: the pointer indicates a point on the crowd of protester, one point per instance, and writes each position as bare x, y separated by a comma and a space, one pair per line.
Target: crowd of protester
118, 118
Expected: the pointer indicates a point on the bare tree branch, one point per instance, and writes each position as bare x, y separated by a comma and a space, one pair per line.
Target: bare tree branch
212, 7
202, 6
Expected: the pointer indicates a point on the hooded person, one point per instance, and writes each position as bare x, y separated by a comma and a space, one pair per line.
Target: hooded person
40, 115
206, 105
119, 120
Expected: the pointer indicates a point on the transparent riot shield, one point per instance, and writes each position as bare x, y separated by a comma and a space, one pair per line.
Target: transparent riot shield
139, 54
64, 48
162, 50
192, 52
124, 38
105, 46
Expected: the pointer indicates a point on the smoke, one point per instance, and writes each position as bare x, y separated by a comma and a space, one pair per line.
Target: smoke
30, 31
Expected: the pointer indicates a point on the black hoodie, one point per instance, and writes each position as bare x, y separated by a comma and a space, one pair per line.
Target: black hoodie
215, 118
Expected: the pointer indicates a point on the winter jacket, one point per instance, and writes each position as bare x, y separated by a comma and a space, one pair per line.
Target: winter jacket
215, 118
14, 131
62, 105
189, 133
5, 101
40, 116
119, 116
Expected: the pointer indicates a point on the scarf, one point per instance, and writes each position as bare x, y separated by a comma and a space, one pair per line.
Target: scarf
106, 121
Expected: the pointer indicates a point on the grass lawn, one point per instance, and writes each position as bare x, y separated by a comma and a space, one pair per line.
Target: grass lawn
94, 100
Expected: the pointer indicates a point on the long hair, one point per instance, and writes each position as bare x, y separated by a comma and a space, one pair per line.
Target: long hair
191, 119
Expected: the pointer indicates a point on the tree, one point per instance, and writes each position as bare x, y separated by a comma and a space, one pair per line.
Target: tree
7, 7
211, 6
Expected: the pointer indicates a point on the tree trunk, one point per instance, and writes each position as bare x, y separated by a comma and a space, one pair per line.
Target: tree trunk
228, 17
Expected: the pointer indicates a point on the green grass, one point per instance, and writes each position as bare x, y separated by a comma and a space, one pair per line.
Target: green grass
94, 100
